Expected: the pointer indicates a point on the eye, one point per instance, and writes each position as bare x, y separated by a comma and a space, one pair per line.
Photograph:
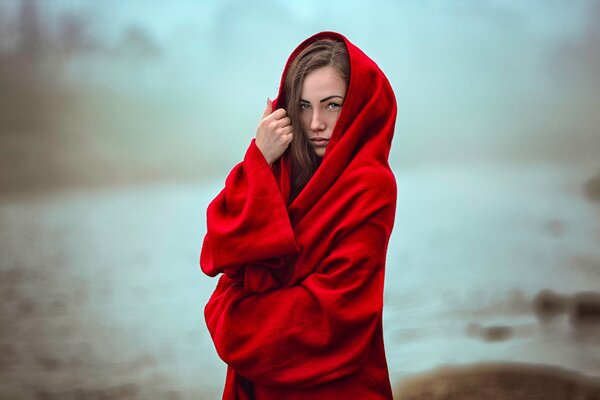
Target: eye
333, 106
304, 106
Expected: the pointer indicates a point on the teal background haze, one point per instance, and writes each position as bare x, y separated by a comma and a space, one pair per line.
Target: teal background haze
119, 121
178, 89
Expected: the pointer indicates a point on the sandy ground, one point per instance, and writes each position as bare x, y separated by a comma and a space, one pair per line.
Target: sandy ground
499, 382
102, 296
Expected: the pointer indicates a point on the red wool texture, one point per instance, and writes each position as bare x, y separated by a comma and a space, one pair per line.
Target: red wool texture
297, 311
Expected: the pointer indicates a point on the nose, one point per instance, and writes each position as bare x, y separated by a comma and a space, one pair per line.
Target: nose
317, 122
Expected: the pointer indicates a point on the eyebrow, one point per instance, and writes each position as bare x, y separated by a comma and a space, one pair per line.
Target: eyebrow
325, 99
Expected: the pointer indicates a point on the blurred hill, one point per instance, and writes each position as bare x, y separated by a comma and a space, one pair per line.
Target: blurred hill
58, 128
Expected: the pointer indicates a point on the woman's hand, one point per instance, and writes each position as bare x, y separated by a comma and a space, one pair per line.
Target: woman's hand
274, 133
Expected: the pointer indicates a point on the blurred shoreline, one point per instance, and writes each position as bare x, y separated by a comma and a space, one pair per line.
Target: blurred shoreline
88, 138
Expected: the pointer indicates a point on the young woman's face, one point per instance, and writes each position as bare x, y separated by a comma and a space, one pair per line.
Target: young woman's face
321, 99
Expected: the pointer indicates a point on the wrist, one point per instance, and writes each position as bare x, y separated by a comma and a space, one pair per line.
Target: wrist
268, 159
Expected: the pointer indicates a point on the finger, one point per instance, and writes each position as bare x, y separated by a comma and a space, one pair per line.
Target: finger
278, 114
269, 108
285, 130
283, 122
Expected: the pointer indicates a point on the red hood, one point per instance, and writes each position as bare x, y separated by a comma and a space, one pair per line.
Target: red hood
365, 127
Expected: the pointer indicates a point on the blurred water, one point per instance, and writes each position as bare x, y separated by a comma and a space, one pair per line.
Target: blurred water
471, 248
102, 289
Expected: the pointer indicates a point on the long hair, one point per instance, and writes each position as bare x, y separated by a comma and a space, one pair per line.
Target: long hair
318, 54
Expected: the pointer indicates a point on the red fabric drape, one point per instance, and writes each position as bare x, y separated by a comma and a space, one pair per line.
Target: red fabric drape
296, 313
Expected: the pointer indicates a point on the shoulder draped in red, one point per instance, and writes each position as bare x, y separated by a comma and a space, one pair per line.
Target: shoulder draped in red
297, 311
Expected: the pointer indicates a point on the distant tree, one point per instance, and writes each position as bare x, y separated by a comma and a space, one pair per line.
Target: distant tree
6, 30
591, 188
137, 45
72, 34
30, 31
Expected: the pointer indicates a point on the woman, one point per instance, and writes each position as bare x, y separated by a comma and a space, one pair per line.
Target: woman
300, 234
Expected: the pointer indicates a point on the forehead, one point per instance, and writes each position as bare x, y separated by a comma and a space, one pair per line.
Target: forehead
323, 82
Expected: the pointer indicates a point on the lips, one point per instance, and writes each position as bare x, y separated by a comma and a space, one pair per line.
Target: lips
319, 140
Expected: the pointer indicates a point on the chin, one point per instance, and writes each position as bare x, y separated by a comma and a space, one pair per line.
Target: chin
320, 152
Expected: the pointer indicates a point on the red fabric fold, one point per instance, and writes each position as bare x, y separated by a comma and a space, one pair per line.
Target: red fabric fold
243, 217
297, 313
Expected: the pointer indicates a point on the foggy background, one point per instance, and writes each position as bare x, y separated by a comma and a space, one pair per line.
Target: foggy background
119, 121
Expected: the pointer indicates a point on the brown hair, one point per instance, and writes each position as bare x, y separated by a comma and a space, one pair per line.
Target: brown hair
318, 54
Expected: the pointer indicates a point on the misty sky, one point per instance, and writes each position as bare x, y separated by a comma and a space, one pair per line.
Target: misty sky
474, 79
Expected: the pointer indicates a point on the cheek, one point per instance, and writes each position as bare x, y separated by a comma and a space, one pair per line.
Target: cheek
332, 118
305, 121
